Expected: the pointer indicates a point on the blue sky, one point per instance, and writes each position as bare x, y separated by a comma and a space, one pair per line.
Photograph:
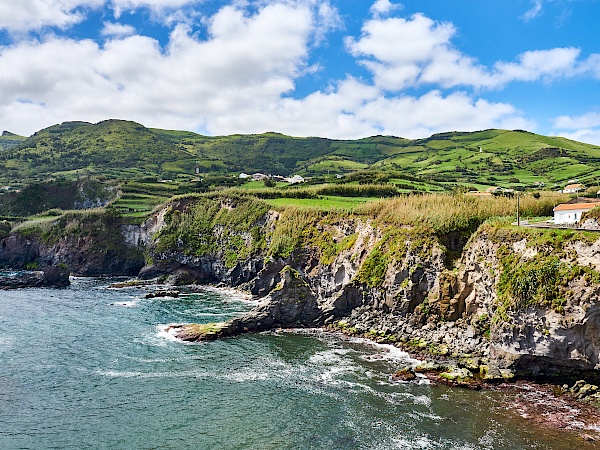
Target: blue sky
331, 68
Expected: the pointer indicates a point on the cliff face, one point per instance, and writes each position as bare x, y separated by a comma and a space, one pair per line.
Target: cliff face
518, 301
89, 245
392, 284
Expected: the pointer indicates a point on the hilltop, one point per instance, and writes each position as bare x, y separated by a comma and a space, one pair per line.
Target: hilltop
120, 149
8, 140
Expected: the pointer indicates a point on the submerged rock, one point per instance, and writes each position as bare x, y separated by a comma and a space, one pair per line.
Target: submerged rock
168, 293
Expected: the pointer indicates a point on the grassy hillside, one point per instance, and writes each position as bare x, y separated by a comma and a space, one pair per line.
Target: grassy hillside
273, 153
494, 157
8, 140
121, 150
114, 148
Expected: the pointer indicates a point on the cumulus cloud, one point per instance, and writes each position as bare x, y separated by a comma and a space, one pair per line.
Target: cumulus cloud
384, 7
589, 135
23, 15
158, 6
409, 52
239, 77
590, 119
247, 60
353, 109
117, 29
583, 128
26, 15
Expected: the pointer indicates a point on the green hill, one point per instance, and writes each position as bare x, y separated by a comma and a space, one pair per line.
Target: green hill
117, 149
8, 140
498, 156
113, 148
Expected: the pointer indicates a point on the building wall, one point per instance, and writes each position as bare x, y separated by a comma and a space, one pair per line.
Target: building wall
572, 216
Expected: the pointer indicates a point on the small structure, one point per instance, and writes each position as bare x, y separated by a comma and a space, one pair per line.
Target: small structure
295, 179
569, 213
572, 188
259, 176
244, 176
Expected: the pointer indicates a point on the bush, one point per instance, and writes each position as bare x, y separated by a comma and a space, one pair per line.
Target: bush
5, 228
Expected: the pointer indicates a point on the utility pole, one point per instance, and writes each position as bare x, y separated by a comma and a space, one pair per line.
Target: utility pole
518, 209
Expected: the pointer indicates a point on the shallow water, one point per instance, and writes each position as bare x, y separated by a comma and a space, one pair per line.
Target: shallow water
89, 367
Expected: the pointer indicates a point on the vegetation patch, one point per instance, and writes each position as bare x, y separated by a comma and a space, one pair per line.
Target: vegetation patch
392, 249
201, 225
542, 279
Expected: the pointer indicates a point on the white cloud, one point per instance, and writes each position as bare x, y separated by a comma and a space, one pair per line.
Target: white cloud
24, 15
158, 6
404, 53
583, 128
21, 16
384, 7
248, 60
535, 11
588, 120
588, 135
353, 110
117, 29
239, 77
538, 64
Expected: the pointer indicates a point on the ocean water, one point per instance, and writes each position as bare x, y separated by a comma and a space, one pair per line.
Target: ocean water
88, 367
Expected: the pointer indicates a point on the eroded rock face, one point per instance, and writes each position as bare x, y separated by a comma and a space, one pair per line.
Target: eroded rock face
405, 294
83, 255
416, 301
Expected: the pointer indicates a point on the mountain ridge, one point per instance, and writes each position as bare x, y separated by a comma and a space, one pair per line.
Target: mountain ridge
119, 149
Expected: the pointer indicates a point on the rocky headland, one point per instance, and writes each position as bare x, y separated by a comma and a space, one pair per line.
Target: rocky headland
493, 301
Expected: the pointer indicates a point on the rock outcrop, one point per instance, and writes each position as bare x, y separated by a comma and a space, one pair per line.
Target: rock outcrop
88, 246
55, 276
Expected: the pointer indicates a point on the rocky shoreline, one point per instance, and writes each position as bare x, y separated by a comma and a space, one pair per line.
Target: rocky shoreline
54, 276
502, 303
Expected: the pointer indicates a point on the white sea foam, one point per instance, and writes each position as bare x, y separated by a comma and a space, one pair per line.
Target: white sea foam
126, 304
386, 352
143, 375
166, 333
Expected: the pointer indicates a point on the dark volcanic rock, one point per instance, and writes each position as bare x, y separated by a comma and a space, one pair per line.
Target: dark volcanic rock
169, 293
55, 276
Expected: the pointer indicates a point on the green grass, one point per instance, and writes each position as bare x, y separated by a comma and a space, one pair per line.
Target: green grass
121, 150
327, 202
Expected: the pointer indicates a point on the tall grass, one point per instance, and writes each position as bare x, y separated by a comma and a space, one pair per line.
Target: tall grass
446, 212
304, 192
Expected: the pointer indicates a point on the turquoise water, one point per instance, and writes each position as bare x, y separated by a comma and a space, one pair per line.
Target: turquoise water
88, 367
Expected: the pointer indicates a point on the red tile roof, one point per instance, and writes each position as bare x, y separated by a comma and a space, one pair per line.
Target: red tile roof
576, 206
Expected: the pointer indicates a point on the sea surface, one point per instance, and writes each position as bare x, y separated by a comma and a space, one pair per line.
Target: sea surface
90, 367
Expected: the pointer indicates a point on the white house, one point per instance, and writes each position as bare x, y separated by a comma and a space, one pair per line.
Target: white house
572, 188
571, 212
259, 176
295, 179
244, 176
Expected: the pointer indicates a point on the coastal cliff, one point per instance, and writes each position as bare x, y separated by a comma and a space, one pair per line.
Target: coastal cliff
517, 302
88, 243
499, 301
